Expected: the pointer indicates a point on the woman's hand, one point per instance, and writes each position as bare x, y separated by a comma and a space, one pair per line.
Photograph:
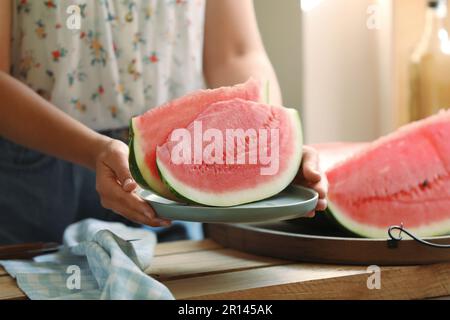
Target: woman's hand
116, 186
310, 175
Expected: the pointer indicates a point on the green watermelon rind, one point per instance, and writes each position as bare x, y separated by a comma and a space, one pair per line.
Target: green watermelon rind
333, 220
185, 194
179, 197
364, 231
136, 172
139, 170
134, 168
336, 217
367, 231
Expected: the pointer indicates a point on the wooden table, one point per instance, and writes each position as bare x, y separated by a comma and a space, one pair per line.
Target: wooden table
206, 270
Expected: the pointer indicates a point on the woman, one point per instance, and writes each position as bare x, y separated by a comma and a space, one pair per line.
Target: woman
70, 94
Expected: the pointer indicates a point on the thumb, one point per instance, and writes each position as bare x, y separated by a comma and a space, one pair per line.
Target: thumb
119, 164
125, 177
129, 184
310, 165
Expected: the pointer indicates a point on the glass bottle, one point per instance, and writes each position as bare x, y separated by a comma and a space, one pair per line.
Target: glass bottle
430, 65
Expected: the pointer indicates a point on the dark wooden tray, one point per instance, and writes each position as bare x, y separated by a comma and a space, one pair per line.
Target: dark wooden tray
317, 240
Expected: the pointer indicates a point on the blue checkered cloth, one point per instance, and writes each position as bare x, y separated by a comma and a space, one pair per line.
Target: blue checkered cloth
96, 262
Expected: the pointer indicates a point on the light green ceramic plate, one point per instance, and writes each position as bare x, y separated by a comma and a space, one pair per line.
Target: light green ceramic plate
293, 202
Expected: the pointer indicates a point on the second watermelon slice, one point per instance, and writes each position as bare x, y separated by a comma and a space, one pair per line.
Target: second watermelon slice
402, 178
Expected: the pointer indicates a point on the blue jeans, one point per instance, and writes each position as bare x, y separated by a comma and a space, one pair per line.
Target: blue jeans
41, 195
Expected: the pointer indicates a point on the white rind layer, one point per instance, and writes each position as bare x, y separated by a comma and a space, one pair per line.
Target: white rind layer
364, 230
241, 196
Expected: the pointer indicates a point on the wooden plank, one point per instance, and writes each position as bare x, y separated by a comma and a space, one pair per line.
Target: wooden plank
302, 281
185, 246
193, 264
224, 284
3, 272
9, 289
211, 272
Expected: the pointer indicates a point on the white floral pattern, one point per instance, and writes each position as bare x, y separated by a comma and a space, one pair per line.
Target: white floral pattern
128, 56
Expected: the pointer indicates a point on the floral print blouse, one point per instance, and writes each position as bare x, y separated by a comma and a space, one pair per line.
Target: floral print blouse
127, 56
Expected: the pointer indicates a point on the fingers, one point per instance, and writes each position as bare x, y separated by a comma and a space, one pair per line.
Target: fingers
312, 176
133, 208
312, 214
127, 204
320, 187
310, 165
321, 205
138, 217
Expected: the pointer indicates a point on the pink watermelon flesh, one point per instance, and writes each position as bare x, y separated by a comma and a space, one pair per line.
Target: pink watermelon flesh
401, 178
232, 184
154, 127
333, 153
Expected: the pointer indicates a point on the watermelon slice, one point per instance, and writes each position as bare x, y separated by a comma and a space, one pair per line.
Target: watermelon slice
215, 181
401, 178
154, 127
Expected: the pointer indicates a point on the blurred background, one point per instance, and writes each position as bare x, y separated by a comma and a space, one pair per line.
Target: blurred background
358, 69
